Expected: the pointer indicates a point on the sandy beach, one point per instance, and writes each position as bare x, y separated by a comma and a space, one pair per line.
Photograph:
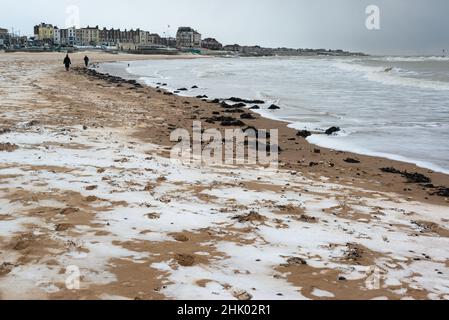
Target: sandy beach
86, 181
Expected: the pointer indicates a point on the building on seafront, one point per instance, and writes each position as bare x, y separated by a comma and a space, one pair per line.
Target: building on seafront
3, 36
211, 44
68, 36
168, 42
8, 39
93, 36
44, 32
186, 37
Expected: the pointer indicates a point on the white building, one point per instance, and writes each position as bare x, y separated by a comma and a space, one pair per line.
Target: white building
56, 36
71, 36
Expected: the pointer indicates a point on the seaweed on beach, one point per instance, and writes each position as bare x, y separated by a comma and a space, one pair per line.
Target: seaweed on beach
442, 192
234, 99
411, 177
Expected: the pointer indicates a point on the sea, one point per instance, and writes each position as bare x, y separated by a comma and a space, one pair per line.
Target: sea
389, 106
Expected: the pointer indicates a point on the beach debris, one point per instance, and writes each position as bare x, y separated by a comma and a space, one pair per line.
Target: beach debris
63, 227
6, 268
90, 188
8, 147
247, 116
304, 134
442, 192
242, 295
307, 219
185, 260
411, 177
353, 253
432, 227
202, 96
4, 131
251, 217
235, 99
234, 111
235, 106
351, 160
182, 89
332, 130
295, 261
289, 208
194, 87
215, 101
153, 216
256, 107
274, 107
317, 151
32, 123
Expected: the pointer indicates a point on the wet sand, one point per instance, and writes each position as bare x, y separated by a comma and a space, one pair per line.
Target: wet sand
85, 180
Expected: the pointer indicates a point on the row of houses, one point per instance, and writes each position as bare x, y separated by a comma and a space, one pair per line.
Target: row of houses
91, 36
8, 39
186, 37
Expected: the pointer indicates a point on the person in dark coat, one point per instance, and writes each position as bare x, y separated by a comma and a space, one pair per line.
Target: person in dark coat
67, 62
86, 61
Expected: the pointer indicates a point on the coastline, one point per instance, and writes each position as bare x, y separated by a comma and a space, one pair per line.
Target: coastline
327, 154
87, 182
358, 135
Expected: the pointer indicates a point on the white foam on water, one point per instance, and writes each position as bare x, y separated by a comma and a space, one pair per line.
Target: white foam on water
336, 143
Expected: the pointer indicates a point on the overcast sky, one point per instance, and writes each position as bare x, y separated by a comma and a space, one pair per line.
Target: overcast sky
406, 26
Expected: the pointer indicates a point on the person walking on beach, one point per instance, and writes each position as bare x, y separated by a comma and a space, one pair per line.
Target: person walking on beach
86, 61
67, 62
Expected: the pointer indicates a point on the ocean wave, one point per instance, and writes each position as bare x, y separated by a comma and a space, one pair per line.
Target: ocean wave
392, 76
213, 74
336, 143
414, 59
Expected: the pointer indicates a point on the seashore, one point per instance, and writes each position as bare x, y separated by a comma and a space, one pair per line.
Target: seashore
86, 181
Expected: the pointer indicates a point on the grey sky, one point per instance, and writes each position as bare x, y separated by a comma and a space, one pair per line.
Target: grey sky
407, 26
